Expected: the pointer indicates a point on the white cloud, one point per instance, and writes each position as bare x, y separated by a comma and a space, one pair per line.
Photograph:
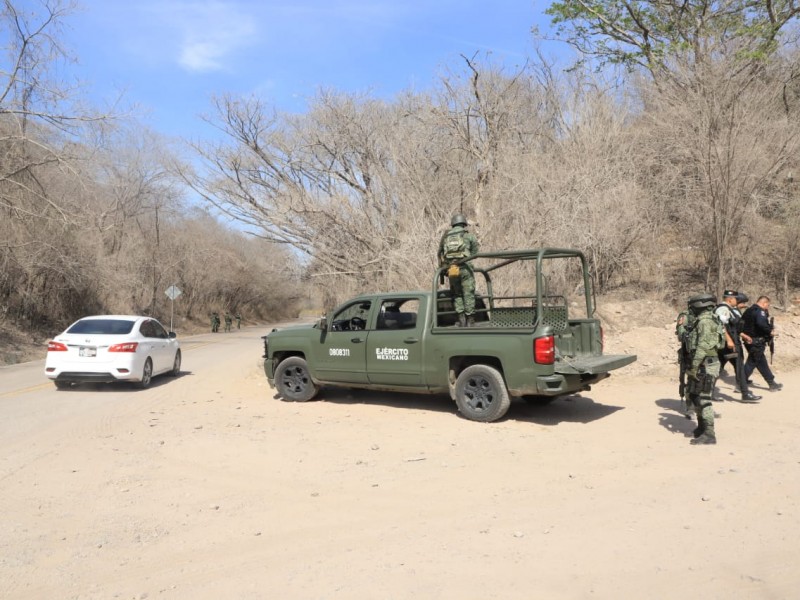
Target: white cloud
207, 33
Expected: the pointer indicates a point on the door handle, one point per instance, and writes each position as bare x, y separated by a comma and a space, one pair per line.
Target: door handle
356, 340
411, 340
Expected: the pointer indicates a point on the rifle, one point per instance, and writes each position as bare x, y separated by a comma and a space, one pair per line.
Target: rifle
684, 359
771, 338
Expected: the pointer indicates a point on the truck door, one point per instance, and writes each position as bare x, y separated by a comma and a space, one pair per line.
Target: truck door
394, 346
341, 353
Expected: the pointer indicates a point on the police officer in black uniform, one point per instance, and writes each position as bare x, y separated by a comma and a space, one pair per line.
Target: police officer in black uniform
758, 328
731, 318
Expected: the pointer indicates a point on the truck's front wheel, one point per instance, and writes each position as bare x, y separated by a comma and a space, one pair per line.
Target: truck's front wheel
293, 380
481, 394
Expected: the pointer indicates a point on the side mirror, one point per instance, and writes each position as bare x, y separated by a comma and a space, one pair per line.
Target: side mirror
172, 335
323, 323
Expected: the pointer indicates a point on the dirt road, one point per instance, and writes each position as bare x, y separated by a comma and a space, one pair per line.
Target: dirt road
205, 487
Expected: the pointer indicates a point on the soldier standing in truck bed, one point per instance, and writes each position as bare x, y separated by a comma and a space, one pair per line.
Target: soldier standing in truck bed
456, 245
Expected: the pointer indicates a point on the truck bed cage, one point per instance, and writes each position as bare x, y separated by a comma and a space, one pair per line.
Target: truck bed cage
538, 309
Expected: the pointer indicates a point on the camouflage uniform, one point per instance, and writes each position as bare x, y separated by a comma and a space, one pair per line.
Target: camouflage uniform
228, 322
462, 286
214, 322
705, 339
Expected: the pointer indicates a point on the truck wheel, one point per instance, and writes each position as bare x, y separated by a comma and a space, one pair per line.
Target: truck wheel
294, 381
481, 394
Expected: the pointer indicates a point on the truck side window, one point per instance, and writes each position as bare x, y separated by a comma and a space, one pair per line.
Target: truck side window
398, 314
352, 317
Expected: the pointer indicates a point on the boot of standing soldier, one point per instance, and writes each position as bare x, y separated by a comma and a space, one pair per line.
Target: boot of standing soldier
462, 320
701, 427
707, 434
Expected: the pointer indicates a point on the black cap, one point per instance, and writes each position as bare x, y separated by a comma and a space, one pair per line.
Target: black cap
742, 298
730, 294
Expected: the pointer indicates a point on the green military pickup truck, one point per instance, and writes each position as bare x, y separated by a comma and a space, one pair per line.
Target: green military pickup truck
528, 339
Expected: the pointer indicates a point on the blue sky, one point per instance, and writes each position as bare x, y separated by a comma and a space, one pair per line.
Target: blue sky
169, 57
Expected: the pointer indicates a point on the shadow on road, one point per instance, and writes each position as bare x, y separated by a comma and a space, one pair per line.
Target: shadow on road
124, 386
569, 409
675, 421
431, 402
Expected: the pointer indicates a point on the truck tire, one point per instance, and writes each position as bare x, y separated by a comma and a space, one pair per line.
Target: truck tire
293, 380
481, 394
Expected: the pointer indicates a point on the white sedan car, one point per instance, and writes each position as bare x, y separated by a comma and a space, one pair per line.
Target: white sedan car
110, 348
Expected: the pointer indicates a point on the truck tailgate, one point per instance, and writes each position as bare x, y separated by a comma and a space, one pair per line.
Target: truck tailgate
592, 364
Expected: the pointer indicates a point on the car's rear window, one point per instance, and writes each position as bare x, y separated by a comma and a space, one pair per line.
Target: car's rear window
102, 326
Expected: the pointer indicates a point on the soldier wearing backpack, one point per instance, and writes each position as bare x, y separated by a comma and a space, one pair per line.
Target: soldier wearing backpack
456, 247
706, 338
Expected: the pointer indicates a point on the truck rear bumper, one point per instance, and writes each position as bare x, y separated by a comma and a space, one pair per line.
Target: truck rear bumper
559, 384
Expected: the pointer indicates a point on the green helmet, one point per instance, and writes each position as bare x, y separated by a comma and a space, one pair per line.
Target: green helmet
702, 301
458, 220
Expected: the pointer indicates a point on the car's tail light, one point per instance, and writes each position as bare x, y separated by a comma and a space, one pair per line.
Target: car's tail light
126, 347
544, 350
56, 347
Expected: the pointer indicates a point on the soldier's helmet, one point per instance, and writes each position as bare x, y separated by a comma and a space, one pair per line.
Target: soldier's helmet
458, 220
702, 301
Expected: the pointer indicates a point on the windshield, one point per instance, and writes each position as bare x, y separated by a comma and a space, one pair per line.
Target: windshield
102, 326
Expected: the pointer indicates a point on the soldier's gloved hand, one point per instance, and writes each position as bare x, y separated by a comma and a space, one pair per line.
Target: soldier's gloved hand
692, 374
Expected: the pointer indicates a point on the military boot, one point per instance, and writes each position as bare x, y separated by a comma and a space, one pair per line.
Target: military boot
706, 437
699, 430
471, 321
462, 320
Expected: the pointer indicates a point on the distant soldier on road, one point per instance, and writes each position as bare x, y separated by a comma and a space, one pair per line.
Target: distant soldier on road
228, 321
455, 248
238, 321
214, 322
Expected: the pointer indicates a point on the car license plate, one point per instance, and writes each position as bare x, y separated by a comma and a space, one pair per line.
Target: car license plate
87, 351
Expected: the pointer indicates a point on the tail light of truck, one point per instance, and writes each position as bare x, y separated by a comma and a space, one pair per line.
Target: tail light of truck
56, 347
544, 350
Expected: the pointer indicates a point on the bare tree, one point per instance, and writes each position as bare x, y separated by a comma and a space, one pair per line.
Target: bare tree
724, 138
